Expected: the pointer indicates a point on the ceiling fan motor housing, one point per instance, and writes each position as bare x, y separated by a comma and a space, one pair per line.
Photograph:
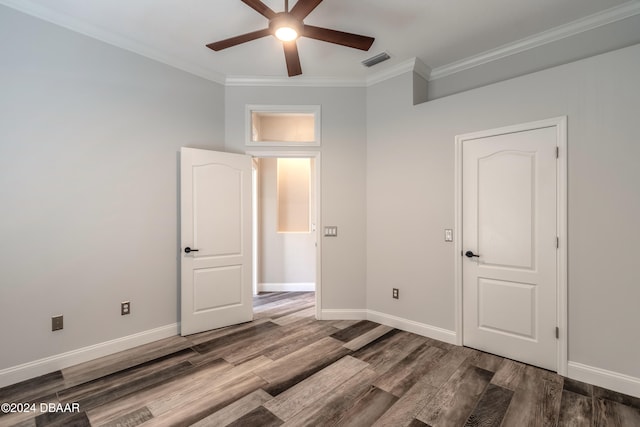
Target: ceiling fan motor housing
285, 19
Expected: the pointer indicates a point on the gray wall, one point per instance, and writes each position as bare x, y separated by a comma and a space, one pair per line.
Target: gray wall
342, 177
89, 146
410, 196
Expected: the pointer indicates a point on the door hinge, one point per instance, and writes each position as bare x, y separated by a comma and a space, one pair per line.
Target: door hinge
557, 242
557, 332
557, 152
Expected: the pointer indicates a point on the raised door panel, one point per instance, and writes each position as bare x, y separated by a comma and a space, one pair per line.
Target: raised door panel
507, 308
506, 208
217, 210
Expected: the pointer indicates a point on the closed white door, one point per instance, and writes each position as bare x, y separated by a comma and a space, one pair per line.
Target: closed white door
509, 245
215, 200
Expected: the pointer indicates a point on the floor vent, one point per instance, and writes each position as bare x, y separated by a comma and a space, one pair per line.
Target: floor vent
381, 57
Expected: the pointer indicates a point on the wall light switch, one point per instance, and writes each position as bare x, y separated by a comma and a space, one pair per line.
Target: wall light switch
448, 235
331, 231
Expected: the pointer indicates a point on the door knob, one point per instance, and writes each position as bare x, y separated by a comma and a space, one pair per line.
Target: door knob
188, 250
470, 254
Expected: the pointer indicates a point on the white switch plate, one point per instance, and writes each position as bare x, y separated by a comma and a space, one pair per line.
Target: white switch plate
331, 231
448, 235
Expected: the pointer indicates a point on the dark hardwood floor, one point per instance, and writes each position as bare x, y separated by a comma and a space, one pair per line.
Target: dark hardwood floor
286, 368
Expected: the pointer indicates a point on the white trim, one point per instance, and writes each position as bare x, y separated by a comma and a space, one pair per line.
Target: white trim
413, 64
423, 329
56, 362
457, 241
560, 123
300, 81
603, 378
422, 69
342, 314
608, 16
287, 287
562, 204
418, 328
255, 185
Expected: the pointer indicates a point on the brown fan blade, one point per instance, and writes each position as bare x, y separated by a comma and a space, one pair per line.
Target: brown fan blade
304, 7
233, 41
260, 7
293, 59
355, 41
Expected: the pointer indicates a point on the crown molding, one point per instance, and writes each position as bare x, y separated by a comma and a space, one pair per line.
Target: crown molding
614, 14
108, 37
413, 64
299, 81
422, 69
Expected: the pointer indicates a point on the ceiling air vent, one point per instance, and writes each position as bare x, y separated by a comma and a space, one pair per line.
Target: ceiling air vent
381, 57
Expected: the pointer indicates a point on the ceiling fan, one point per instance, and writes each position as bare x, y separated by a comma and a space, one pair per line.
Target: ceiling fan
288, 26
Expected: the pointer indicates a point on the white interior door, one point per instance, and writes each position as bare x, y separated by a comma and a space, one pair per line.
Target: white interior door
216, 217
509, 244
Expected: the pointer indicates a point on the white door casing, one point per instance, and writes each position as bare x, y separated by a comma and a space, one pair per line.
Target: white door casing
216, 222
510, 209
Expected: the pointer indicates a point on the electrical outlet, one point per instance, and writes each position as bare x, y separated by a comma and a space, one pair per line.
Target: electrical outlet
57, 323
125, 308
396, 293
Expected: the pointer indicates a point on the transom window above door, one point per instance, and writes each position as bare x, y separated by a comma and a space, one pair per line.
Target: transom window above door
283, 125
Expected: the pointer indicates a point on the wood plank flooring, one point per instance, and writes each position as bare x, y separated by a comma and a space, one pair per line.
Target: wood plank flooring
286, 368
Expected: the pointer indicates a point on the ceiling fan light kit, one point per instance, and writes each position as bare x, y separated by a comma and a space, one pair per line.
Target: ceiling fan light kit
288, 26
285, 27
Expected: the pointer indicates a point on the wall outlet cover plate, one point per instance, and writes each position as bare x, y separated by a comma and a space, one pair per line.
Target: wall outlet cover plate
57, 323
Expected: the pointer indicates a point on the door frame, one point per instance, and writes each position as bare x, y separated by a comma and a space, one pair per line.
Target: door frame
308, 155
560, 123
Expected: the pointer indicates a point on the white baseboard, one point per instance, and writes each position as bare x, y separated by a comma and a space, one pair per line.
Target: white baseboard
340, 314
412, 326
287, 287
56, 362
393, 321
607, 379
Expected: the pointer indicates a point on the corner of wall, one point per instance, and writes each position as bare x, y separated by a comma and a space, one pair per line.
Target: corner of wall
420, 89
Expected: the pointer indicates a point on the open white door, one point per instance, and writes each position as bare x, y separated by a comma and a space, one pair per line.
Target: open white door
215, 209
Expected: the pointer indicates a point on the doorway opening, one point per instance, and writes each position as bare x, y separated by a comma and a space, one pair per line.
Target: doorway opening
286, 214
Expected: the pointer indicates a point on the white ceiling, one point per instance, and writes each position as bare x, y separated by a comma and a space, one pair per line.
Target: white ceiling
438, 32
